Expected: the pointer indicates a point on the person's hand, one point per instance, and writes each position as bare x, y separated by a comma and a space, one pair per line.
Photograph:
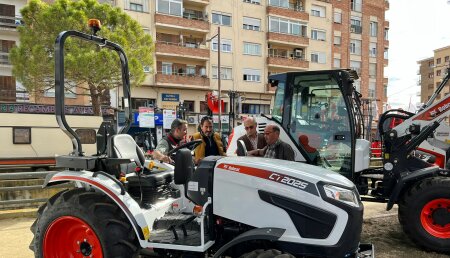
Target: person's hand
167, 159
198, 161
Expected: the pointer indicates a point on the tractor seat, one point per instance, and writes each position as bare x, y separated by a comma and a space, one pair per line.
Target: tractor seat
123, 146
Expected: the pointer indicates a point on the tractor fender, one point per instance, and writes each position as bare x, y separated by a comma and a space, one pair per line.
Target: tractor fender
271, 234
112, 188
408, 180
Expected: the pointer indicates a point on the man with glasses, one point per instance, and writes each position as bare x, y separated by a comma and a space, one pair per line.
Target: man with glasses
276, 148
252, 139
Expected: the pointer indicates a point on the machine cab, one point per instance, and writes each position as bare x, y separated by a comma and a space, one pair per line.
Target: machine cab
318, 112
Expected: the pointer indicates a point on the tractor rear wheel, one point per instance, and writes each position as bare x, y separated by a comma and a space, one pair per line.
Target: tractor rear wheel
80, 223
271, 253
424, 213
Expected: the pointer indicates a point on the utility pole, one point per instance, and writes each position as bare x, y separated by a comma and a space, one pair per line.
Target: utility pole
219, 80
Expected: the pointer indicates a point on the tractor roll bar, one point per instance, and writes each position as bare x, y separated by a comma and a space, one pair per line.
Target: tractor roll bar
59, 83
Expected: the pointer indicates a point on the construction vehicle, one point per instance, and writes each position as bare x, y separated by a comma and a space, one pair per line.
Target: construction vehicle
123, 205
324, 108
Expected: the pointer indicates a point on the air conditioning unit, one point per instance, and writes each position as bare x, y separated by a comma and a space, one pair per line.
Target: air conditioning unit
298, 52
192, 120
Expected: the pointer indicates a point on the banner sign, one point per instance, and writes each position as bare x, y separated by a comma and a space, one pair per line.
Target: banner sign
168, 117
48, 109
170, 97
146, 117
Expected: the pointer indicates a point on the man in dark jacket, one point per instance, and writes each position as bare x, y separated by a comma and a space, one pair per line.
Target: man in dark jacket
252, 139
178, 130
275, 149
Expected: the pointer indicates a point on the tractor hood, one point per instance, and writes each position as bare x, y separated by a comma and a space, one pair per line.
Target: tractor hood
302, 171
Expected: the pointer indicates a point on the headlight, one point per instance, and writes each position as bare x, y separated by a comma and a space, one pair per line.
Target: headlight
341, 194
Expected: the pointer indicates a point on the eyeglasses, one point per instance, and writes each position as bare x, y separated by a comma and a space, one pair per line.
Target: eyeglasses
249, 127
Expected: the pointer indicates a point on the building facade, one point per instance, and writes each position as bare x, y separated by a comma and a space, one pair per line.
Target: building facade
258, 38
431, 72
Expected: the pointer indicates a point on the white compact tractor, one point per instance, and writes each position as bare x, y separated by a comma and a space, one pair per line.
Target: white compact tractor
319, 113
125, 206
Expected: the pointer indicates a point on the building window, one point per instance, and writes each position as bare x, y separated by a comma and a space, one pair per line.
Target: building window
356, 65
21, 135
337, 63
252, 1
386, 34
355, 25
373, 49
430, 75
136, 7
355, 46
141, 102
372, 90
286, 26
255, 109
172, 7
225, 73
252, 75
318, 11
251, 24
372, 70
386, 53
356, 5
225, 45
337, 40
438, 61
166, 68
446, 59
337, 17
438, 72
190, 70
373, 29
189, 105
279, 3
253, 49
221, 19
318, 57
318, 34
431, 64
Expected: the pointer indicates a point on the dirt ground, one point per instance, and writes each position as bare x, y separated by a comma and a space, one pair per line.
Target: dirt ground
381, 228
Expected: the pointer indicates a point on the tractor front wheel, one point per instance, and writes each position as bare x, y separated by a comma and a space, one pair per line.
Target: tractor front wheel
424, 213
80, 223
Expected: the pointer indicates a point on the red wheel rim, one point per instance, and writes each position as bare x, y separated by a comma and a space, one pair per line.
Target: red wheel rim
426, 217
71, 237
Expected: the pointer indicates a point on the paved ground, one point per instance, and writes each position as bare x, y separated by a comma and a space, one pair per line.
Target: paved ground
380, 228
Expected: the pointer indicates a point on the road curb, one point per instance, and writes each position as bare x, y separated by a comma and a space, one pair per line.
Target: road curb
18, 213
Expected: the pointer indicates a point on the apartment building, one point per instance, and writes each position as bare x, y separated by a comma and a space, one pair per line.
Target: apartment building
431, 72
258, 38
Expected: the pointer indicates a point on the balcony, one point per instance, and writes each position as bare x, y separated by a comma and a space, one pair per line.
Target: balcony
196, 2
184, 50
355, 29
189, 22
386, 5
10, 22
287, 39
293, 11
286, 59
182, 80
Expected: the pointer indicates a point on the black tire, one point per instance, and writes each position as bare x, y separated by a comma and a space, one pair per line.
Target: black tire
271, 253
419, 220
111, 228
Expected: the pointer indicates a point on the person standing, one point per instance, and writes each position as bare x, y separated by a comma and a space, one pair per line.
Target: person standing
276, 148
178, 130
211, 142
252, 139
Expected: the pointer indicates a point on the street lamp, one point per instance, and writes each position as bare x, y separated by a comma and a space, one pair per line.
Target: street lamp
218, 77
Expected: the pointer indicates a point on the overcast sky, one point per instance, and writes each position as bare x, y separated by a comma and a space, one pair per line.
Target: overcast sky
416, 28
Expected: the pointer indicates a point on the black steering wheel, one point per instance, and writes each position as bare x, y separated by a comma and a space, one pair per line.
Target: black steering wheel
190, 145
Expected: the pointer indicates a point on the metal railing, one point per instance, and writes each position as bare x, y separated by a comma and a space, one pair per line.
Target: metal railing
285, 54
182, 44
183, 73
292, 6
4, 58
10, 21
27, 178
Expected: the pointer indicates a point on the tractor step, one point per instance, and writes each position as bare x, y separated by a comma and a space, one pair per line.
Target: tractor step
173, 220
191, 237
